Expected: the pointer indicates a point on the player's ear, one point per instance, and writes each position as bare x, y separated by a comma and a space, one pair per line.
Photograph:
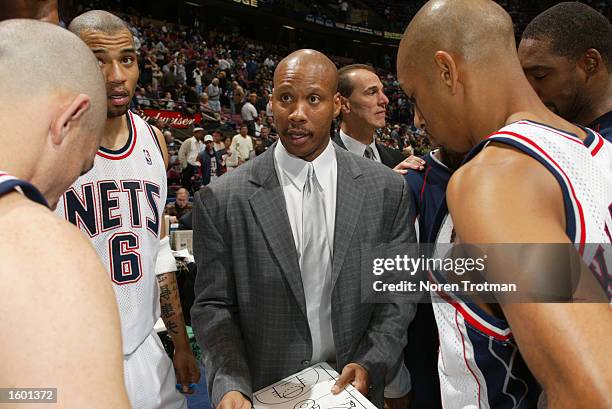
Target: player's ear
345, 104
590, 62
447, 70
341, 104
68, 118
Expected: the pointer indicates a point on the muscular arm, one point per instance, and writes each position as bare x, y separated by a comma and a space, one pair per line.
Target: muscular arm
564, 345
171, 310
59, 313
185, 366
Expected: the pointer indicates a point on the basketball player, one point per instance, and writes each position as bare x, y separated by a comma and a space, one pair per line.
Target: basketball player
458, 63
119, 204
566, 53
54, 317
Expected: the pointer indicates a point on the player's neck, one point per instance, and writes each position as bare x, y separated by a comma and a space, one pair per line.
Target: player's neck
600, 105
359, 132
116, 133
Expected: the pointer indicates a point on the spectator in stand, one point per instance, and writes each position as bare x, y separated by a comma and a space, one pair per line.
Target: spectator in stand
214, 92
141, 99
211, 161
262, 102
188, 156
173, 148
242, 144
167, 102
230, 157
258, 126
237, 97
218, 142
169, 80
265, 137
205, 104
269, 113
197, 78
179, 207
249, 113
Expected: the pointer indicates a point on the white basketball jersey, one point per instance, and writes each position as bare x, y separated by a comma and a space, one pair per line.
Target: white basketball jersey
479, 362
118, 204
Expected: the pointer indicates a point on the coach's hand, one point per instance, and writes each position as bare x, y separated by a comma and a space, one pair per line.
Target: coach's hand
354, 374
411, 162
234, 400
186, 369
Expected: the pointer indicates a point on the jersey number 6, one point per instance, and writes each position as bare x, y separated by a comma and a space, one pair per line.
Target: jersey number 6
124, 258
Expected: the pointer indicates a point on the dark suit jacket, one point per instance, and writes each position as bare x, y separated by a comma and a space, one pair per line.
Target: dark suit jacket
389, 157
250, 312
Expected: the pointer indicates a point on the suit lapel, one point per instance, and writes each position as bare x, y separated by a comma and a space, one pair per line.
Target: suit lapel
349, 197
384, 155
268, 205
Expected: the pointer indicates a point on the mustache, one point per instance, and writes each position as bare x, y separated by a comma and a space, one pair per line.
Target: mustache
298, 131
117, 92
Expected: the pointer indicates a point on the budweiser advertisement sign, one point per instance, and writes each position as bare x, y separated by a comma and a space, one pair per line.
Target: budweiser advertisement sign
173, 118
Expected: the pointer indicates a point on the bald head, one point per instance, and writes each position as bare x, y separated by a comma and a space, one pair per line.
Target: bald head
97, 20
52, 105
304, 102
300, 59
44, 10
474, 30
57, 62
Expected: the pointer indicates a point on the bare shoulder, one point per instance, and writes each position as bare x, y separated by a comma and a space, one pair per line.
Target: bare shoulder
504, 194
35, 238
498, 171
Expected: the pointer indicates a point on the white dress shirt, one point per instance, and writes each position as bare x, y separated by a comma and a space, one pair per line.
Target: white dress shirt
189, 151
292, 172
354, 146
248, 112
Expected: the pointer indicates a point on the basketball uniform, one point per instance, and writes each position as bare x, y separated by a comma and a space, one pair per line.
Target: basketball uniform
428, 189
603, 126
119, 205
479, 362
9, 184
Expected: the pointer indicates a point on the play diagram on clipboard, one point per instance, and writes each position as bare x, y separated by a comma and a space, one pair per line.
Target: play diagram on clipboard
310, 389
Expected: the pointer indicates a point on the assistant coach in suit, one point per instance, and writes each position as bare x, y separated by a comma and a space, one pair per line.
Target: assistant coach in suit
363, 111
277, 292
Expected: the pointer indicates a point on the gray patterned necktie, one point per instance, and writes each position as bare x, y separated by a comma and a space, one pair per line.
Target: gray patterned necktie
369, 152
315, 266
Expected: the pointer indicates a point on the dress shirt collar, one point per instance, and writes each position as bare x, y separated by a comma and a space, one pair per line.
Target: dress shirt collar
354, 146
296, 169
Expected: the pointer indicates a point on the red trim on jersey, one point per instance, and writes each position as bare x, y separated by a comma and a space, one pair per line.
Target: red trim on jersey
471, 320
546, 128
465, 357
424, 182
598, 147
129, 152
568, 181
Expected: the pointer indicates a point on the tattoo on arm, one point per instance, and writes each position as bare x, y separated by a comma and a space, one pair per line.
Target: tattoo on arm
170, 305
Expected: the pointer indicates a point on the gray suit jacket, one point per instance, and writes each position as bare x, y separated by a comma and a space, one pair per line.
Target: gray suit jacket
249, 315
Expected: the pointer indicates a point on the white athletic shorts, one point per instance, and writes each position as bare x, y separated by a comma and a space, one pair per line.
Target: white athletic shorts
149, 377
